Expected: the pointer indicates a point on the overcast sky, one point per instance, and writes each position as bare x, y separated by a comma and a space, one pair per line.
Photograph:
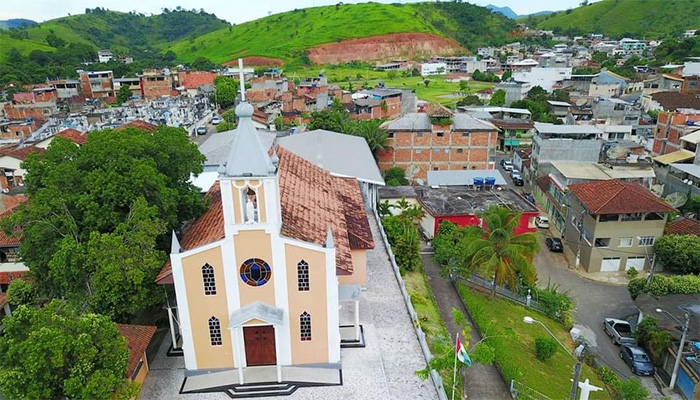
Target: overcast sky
235, 11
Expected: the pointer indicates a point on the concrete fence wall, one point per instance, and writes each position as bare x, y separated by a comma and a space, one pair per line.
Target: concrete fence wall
434, 376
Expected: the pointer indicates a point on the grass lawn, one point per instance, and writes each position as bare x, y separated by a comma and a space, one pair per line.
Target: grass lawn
430, 320
515, 348
434, 92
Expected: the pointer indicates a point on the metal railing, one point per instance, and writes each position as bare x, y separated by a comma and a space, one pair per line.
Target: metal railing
520, 391
434, 376
480, 282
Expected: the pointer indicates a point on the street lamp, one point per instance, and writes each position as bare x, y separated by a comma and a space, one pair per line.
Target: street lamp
674, 375
578, 355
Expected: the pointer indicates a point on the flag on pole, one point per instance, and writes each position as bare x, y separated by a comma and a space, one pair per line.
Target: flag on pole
462, 355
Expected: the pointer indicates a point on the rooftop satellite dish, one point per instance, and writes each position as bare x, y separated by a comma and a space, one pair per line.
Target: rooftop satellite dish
676, 199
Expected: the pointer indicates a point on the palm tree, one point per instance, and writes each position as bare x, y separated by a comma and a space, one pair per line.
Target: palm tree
385, 209
372, 132
495, 249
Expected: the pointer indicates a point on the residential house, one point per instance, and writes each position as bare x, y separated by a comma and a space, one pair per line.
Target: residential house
463, 205
11, 267
155, 84
126, 59
633, 46
11, 172
66, 88
191, 81
562, 174
521, 161
513, 133
608, 84
437, 140
559, 109
515, 90
616, 132
75, 136
433, 68
138, 337
15, 131
475, 178
612, 225
683, 226
546, 78
259, 278
564, 143
340, 154
671, 127
691, 84
39, 104
97, 84
683, 179
378, 103
663, 83
134, 85
104, 56
610, 110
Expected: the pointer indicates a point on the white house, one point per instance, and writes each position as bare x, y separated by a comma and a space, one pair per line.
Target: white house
427, 69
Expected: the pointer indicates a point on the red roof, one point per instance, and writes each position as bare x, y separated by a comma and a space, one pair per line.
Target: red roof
195, 79
683, 226
138, 124
7, 277
15, 237
543, 183
138, 337
617, 197
23, 97
359, 232
74, 136
20, 154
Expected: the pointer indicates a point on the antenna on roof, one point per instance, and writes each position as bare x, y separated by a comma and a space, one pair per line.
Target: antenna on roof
242, 78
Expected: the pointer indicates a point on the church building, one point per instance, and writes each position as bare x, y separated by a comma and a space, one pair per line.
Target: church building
259, 279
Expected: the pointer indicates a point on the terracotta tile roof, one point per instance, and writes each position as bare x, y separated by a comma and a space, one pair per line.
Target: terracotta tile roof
138, 337
195, 79
20, 154
7, 277
74, 136
13, 239
138, 124
23, 97
437, 111
617, 197
683, 226
208, 228
310, 205
543, 183
672, 101
359, 232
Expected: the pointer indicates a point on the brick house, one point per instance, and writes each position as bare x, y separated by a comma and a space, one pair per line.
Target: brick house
18, 130
192, 80
155, 84
138, 337
38, 104
437, 140
671, 127
97, 84
11, 172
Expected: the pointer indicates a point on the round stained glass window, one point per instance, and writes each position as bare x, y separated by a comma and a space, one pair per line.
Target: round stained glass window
255, 272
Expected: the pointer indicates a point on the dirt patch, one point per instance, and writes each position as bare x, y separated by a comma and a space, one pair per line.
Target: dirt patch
254, 61
382, 47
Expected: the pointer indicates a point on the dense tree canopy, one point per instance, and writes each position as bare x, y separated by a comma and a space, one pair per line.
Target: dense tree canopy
98, 215
54, 352
679, 253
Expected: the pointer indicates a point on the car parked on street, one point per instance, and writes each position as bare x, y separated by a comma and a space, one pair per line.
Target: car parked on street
202, 130
514, 172
619, 330
554, 244
518, 181
216, 120
637, 359
542, 222
507, 164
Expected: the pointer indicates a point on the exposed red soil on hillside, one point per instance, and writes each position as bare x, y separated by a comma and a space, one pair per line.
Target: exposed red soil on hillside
253, 61
383, 47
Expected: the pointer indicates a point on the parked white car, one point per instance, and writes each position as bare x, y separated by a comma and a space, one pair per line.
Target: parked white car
507, 165
542, 222
216, 120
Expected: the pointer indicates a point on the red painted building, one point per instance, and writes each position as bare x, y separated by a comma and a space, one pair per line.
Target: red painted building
461, 205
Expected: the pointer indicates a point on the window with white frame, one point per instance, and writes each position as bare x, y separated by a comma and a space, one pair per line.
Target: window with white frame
626, 242
303, 276
215, 332
646, 240
208, 280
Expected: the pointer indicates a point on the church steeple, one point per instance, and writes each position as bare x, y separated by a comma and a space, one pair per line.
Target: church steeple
248, 157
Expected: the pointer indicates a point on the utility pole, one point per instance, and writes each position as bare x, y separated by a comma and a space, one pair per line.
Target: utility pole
577, 370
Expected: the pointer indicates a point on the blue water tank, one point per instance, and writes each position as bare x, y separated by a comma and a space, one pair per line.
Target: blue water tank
490, 181
478, 181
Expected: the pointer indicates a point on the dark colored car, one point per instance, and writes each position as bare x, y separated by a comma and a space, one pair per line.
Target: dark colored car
636, 358
554, 244
518, 181
202, 130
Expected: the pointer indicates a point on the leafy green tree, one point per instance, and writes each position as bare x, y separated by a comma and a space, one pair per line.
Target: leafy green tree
21, 291
692, 206
395, 176
54, 41
464, 86
225, 126
537, 93
54, 352
123, 94
679, 253
560, 95
495, 250
229, 115
498, 98
225, 91
405, 241
336, 118
470, 100
129, 185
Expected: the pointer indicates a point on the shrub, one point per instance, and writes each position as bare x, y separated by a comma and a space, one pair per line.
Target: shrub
679, 253
545, 348
632, 389
608, 376
632, 273
405, 242
663, 285
556, 305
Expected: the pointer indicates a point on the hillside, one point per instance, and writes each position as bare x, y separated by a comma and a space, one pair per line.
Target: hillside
507, 11
288, 36
16, 23
625, 18
121, 32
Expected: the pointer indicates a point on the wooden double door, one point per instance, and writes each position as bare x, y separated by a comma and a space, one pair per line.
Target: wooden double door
259, 345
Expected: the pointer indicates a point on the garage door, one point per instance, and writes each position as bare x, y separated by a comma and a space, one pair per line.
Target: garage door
636, 262
610, 264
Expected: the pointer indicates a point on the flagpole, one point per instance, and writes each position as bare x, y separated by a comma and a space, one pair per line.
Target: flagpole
454, 372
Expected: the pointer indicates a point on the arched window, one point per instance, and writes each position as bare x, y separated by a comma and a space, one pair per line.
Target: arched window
305, 326
215, 331
303, 276
208, 280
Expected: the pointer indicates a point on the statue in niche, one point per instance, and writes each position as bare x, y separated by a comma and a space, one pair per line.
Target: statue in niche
251, 207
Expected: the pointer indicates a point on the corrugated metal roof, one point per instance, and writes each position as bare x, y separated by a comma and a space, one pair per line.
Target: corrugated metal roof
465, 122
463, 177
676, 156
410, 122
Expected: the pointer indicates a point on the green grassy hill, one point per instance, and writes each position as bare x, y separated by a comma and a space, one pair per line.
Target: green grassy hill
287, 35
122, 32
625, 18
